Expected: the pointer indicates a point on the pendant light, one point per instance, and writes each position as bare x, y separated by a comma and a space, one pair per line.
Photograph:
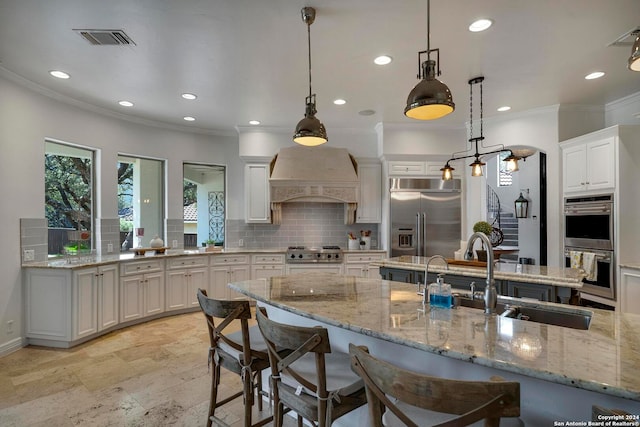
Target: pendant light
310, 131
430, 98
634, 59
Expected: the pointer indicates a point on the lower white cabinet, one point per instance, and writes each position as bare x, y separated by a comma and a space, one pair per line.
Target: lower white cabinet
264, 266
226, 269
317, 268
359, 264
629, 290
95, 300
185, 275
142, 291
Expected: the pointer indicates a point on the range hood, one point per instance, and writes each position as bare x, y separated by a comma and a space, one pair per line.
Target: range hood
314, 174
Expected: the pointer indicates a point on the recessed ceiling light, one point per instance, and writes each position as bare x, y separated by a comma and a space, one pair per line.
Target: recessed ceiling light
189, 96
189, 118
59, 74
383, 60
254, 122
480, 25
594, 75
339, 101
126, 103
504, 108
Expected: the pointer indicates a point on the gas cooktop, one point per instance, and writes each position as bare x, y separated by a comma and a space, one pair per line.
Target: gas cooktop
303, 254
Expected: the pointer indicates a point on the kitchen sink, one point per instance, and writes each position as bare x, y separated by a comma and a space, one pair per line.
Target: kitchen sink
567, 317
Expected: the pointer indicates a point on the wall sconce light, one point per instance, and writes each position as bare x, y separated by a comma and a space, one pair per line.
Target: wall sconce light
522, 205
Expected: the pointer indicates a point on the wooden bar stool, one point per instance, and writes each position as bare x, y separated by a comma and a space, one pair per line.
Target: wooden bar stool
243, 352
306, 376
423, 400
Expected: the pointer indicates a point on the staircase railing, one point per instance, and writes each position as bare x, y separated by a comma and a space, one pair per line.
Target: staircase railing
493, 205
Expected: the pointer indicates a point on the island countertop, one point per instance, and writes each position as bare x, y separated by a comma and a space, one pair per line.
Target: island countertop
603, 359
555, 276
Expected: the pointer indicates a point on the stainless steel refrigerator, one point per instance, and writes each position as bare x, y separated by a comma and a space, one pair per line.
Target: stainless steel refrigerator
425, 217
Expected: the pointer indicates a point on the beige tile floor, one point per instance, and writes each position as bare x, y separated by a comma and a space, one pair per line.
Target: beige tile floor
152, 374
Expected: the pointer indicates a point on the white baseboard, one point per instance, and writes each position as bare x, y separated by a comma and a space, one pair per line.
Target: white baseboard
11, 346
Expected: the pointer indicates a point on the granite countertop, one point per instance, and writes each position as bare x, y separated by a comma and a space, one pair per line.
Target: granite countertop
97, 260
603, 359
556, 276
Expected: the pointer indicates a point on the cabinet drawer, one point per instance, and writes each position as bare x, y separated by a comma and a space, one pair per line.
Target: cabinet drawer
137, 267
359, 258
188, 261
268, 259
230, 259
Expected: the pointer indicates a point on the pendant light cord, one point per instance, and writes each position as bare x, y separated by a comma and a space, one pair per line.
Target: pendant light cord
309, 50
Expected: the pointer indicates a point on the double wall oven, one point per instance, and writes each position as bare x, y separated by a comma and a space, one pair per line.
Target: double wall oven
589, 228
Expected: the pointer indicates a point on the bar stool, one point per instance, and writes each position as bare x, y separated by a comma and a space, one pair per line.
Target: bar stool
422, 399
306, 376
232, 352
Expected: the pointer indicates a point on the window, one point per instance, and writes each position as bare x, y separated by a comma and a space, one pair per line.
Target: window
69, 178
505, 178
204, 204
140, 200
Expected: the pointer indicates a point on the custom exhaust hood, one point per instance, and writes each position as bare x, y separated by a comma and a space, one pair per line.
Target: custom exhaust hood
314, 174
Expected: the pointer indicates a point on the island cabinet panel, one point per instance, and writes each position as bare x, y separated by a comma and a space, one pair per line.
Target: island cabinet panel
531, 290
398, 275
630, 290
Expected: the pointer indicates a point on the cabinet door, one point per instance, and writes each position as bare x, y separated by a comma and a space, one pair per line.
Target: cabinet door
85, 302
358, 270
630, 290
266, 271
370, 206
108, 297
154, 293
257, 206
131, 298
176, 289
600, 164
219, 278
574, 161
529, 290
239, 273
198, 279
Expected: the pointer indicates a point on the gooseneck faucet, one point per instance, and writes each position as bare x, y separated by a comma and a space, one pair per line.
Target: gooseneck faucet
424, 293
490, 291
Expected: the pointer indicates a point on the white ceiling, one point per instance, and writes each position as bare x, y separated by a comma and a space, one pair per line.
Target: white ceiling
247, 59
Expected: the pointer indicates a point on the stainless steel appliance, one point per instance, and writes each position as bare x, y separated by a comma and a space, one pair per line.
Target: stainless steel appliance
588, 222
304, 255
603, 285
589, 228
425, 216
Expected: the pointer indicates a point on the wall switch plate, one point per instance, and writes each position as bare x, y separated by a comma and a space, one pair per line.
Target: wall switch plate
174, 244
109, 247
9, 326
241, 242
29, 255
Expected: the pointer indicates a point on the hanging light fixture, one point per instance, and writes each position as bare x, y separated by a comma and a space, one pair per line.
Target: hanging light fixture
522, 205
310, 131
634, 59
430, 98
477, 164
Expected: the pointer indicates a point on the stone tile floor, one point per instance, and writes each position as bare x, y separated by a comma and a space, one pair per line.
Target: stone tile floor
152, 374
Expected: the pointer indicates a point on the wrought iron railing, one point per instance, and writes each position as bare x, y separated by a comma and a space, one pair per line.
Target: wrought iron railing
493, 206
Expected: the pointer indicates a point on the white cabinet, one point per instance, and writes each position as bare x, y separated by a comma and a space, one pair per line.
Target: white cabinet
359, 264
588, 166
256, 193
95, 300
314, 268
185, 275
370, 205
226, 269
403, 168
142, 291
629, 297
267, 265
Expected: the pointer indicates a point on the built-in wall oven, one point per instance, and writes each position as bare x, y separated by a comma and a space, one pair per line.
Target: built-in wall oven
589, 228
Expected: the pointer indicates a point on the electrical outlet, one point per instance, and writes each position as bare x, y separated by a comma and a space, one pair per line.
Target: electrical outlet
174, 244
241, 242
29, 255
109, 247
9, 326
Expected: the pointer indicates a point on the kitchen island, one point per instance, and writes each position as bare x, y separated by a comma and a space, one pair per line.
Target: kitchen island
562, 371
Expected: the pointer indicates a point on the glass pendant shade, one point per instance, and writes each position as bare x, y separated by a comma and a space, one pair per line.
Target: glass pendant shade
476, 167
634, 59
512, 163
447, 172
521, 206
430, 99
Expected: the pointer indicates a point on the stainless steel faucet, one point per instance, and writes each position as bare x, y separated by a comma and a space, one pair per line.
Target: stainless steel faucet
424, 292
490, 291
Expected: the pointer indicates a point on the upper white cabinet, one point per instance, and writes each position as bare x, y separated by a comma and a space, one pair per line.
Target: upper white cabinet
256, 194
589, 165
404, 168
370, 206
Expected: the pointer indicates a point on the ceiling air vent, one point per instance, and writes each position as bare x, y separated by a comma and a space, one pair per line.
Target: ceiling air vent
106, 37
627, 38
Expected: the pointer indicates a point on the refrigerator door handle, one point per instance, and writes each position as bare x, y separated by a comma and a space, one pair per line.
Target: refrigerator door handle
418, 235
424, 234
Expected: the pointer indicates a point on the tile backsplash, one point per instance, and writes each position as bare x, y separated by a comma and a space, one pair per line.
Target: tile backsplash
310, 224
34, 237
